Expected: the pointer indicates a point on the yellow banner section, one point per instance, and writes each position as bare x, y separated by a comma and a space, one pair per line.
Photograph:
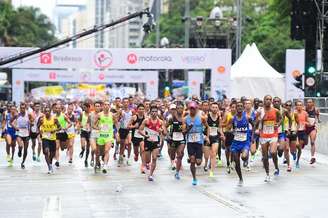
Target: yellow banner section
53, 90
83, 86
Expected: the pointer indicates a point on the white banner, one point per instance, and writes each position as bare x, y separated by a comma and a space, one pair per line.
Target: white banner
22, 75
217, 60
195, 78
294, 67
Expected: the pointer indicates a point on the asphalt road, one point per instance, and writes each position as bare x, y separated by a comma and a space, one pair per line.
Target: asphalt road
74, 191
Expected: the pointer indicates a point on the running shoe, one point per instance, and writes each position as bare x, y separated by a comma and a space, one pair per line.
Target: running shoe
104, 171
11, 162
92, 163
245, 164
241, 183
205, 169
252, 158
142, 170
57, 164
19, 152
114, 157
128, 162
194, 182
86, 165
150, 178
34, 157
177, 176
297, 165
81, 153
172, 167
313, 160
228, 169
211, 174
267, 179
219, 163
294, 155
276, 172
289, 169
70, 161
8, 158
38, 159
22, 166
285, 161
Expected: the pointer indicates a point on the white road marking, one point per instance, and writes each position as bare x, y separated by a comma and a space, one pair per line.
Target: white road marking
52, 207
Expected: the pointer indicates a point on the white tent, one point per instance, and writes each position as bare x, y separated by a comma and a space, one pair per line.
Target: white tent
252, 76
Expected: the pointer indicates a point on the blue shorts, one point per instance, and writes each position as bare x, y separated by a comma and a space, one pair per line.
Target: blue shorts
282, 136
11, 132
238, 147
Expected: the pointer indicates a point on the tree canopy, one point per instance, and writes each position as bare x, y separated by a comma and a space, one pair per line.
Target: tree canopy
25, 26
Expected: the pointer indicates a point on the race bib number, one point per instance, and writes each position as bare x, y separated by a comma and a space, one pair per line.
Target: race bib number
240, 136
137, 135
105, 128
23, 132
47, 135
153, 135
311, 121
177, 136
33, 129
301, 126
194, 137
268, 127
213, 131
94, 134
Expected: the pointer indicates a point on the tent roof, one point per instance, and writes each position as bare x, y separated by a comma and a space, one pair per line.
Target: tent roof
251, 64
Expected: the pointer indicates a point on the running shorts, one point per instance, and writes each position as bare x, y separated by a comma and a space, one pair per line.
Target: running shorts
85, 134
123, 133
49, 144
237, 147
268, 140
62, 136
195, 149
150, 146
228, 138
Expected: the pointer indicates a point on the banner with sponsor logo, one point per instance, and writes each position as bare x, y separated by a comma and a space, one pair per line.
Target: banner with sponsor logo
295, 62
218, 60
195, 78
150, 78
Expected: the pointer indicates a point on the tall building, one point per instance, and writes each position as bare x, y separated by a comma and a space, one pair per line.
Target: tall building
98, 12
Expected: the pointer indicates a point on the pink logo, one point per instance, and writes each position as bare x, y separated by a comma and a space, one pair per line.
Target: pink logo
46, 58
52, 75
101, 76
152, 82
103, 58
132, 58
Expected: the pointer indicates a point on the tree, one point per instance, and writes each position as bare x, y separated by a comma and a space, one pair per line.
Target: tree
26, 27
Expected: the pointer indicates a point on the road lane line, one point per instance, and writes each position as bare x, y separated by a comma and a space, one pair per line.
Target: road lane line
52, 207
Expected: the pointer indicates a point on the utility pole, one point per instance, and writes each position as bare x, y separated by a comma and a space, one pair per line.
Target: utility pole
187, 29
239, 5
158, 14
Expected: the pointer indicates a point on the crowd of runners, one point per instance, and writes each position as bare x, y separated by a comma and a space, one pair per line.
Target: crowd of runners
139, 130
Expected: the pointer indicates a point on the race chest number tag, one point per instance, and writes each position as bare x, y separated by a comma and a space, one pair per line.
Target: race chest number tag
194, 137
177, 136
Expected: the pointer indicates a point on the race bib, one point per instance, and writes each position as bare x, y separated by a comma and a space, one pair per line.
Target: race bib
311, 121
33, 129
153, 135
71, 130
268, 127
104, 135
94, 134
23, 132
240, 136
137, 135
301, 126
105, 128
47, 135
213, 131
177, 136
194, 137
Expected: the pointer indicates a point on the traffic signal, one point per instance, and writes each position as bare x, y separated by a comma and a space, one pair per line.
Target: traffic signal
167, 89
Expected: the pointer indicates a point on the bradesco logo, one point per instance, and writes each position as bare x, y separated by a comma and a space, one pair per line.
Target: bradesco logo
132, 58
103, 58
45, 58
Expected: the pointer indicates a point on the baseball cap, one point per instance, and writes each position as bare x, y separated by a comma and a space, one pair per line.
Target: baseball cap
173, 106
193, 105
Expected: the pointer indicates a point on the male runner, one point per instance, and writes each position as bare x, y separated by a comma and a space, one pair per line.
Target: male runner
10, 133
104, 123
22, 123
215, 132
176, 136
241, 141
151, 128
48, 125
85, 132
311, 129
71, 131
124, 119
194, 123
35, 131
94, 131
270, 120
